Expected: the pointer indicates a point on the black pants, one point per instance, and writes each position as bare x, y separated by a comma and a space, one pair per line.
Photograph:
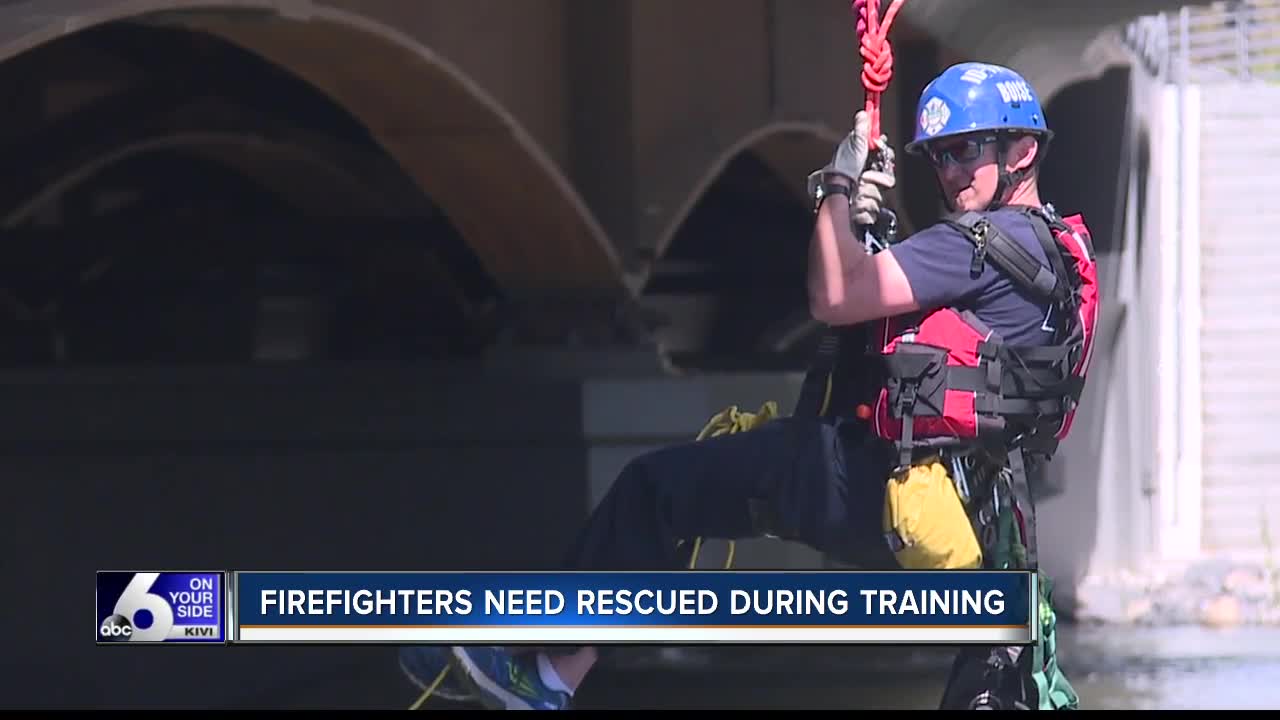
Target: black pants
823, 482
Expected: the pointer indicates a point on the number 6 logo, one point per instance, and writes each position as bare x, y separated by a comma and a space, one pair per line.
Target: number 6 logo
138, 596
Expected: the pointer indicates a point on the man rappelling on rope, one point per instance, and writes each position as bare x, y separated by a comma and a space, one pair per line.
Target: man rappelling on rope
984, 324
972, 341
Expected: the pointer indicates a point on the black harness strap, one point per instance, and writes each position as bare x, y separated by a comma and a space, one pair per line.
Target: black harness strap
813, 390
1043, 226
993, 243
1034, 382
1022, 500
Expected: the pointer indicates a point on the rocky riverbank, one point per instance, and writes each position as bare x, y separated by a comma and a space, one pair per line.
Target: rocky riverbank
1211, 592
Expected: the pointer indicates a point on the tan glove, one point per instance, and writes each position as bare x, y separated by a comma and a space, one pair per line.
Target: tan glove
872, 184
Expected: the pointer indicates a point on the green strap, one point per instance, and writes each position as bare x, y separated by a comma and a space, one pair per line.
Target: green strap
1052, 687
1053, 690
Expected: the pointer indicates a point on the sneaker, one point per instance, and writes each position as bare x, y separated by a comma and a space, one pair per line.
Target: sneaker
424, 663
508, 682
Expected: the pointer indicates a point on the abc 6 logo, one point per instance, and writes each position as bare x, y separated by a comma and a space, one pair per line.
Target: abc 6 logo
137, 597
116, 628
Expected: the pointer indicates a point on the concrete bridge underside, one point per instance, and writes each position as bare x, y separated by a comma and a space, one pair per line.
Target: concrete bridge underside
583, 155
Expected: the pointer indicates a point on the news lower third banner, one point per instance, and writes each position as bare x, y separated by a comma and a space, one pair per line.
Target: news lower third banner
550, 608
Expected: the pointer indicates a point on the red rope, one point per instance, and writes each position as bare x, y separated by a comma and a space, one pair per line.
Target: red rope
877, 55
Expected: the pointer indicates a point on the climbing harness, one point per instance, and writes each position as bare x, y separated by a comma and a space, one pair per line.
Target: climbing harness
952, 382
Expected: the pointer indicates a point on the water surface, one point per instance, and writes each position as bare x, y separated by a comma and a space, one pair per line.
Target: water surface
1111, 667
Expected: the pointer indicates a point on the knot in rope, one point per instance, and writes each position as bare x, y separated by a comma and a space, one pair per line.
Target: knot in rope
878, 69
877, 55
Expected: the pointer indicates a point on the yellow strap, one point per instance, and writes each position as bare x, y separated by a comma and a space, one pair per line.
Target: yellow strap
733, 420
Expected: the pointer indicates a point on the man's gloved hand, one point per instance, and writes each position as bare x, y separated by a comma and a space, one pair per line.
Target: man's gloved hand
869, 197
851, 154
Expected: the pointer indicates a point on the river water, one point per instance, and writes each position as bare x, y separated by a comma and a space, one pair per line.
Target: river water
1111, 667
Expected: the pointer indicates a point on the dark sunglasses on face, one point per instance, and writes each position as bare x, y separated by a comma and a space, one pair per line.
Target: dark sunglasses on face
958, 152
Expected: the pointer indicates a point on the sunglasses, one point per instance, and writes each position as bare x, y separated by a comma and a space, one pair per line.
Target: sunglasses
960, 152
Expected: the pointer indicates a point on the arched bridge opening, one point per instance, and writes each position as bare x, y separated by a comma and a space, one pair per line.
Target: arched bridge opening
729, 291
183, 201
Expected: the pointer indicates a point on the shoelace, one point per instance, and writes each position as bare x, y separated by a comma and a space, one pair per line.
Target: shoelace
432, 687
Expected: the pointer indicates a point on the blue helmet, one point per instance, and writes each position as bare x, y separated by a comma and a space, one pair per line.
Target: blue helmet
972, 97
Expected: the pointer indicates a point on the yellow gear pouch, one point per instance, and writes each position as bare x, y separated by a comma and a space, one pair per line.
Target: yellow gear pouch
923, 510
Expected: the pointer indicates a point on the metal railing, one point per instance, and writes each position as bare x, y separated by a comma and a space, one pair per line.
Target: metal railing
1226, 41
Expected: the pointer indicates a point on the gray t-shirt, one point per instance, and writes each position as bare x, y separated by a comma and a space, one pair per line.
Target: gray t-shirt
936, 262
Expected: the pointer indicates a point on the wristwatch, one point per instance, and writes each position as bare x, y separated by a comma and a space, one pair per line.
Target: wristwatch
820, 189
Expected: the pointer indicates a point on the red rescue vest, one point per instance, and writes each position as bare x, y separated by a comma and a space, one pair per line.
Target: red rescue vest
949, 380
